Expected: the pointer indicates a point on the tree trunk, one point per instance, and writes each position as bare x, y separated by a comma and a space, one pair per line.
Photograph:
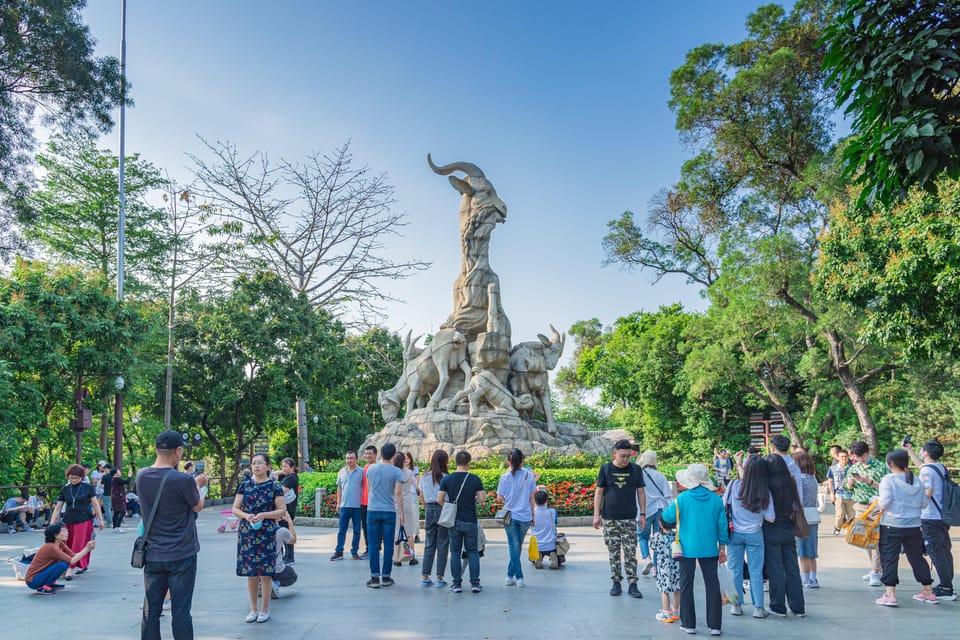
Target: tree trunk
30, 456
221, 454
105, 426
168, 393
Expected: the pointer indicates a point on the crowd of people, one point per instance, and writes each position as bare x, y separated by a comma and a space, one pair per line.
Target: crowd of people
751, 527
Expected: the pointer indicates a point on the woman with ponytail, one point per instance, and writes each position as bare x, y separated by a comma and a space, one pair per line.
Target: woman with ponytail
902, 497
517, 488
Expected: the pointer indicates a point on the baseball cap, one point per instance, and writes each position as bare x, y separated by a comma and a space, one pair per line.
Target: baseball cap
102, 463
169, 440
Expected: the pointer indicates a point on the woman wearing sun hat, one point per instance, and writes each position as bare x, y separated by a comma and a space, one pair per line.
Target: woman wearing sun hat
702, 533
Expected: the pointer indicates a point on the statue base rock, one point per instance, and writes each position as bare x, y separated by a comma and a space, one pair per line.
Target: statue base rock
424, 431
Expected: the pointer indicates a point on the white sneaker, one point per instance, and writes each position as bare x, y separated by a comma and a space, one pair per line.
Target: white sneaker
875, 580
509, 582
736, 610
519, 583
119, 530
867, 576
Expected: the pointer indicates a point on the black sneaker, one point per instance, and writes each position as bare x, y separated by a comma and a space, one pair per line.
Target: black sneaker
456, 588
386, 581
633, 591
943, 593
365, 555
616, 589
476, 588
374, 582
45, 591
336, 556
56, 587
356, 556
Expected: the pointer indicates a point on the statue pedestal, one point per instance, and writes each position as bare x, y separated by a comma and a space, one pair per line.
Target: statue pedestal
424, 431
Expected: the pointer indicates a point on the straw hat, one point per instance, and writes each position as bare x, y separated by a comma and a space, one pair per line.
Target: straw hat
648, 459
694, 476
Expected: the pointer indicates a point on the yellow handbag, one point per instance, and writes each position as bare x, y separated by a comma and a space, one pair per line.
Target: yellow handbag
532, 551
864, 530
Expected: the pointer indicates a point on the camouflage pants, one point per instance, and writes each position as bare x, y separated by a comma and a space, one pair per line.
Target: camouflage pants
617, 535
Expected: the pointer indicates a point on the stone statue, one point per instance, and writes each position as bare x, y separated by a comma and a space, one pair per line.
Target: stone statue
506, 385
426, 373
485, 386
530, 363
481, 210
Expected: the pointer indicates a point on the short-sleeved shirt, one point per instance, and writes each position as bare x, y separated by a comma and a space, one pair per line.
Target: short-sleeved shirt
875, 469
350, 485
838, 474
173, 532
429, 489
76, 503
722, 466
291, 489
516, 489
620, 486
11, 503
283, 539
381, 480
934, 482
95, 478
467, 503
545, 528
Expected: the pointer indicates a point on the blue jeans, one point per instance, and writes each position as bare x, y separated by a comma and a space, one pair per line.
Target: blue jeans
349, 515
381, 528
463, 535
178, 576
516, 530
49, 575
651, 526
752, 544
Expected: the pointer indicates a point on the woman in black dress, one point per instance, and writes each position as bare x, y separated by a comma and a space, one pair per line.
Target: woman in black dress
259, 505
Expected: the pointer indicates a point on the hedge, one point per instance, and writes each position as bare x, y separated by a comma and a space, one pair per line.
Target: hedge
570, 490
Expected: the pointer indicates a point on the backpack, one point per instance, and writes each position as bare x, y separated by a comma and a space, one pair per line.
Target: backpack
950, 508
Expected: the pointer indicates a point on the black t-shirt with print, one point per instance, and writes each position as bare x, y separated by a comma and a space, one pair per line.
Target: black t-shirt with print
467, 504
619, 490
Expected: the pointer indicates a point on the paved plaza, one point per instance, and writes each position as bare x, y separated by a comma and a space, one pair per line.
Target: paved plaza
330, 600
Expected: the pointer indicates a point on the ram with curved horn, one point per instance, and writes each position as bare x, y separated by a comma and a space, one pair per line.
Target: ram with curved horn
530, 364
481, 210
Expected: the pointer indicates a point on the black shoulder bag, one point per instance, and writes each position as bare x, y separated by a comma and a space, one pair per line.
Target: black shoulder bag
139, 556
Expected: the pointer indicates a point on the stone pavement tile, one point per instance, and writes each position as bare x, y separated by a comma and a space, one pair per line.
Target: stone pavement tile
330, 600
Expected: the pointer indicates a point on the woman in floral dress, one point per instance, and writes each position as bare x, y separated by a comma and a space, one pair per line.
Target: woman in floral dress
259, 505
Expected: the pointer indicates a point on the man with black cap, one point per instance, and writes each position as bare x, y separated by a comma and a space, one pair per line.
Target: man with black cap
172, 544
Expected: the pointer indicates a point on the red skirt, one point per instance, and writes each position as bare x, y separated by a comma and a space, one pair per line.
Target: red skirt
80, 535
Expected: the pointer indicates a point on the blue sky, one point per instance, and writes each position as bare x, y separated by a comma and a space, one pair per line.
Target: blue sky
563, 105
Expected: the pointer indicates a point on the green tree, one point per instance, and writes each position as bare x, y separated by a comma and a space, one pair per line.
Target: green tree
897, 66
47, 62
752, 201
58, 327
900, 265
74, 213
245, 355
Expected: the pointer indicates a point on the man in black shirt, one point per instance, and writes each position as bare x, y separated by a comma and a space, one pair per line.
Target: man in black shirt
619, 491
466, 490
172, 542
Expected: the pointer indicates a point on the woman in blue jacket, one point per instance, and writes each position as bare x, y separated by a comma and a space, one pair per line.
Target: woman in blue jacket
702, 532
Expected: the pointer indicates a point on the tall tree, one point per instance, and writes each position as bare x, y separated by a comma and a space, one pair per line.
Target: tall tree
753, 200
47, 64
58, 327
73, 214
897, 66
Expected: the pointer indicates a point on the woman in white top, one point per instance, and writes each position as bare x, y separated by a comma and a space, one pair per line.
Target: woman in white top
902, 497
517, 488
749, 502
658, 497
437, 538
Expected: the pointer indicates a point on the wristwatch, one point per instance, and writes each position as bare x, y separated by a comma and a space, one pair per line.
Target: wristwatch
642, 513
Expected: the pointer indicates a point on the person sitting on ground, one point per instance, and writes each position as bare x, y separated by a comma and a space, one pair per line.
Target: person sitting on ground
53, 559
41, 510
133, 504
545, 531
285, 574
15, 510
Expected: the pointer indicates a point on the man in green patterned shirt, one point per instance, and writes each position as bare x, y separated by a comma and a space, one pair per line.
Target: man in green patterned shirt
863, 479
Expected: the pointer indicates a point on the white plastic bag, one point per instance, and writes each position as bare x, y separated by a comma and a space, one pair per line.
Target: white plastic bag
728, 591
